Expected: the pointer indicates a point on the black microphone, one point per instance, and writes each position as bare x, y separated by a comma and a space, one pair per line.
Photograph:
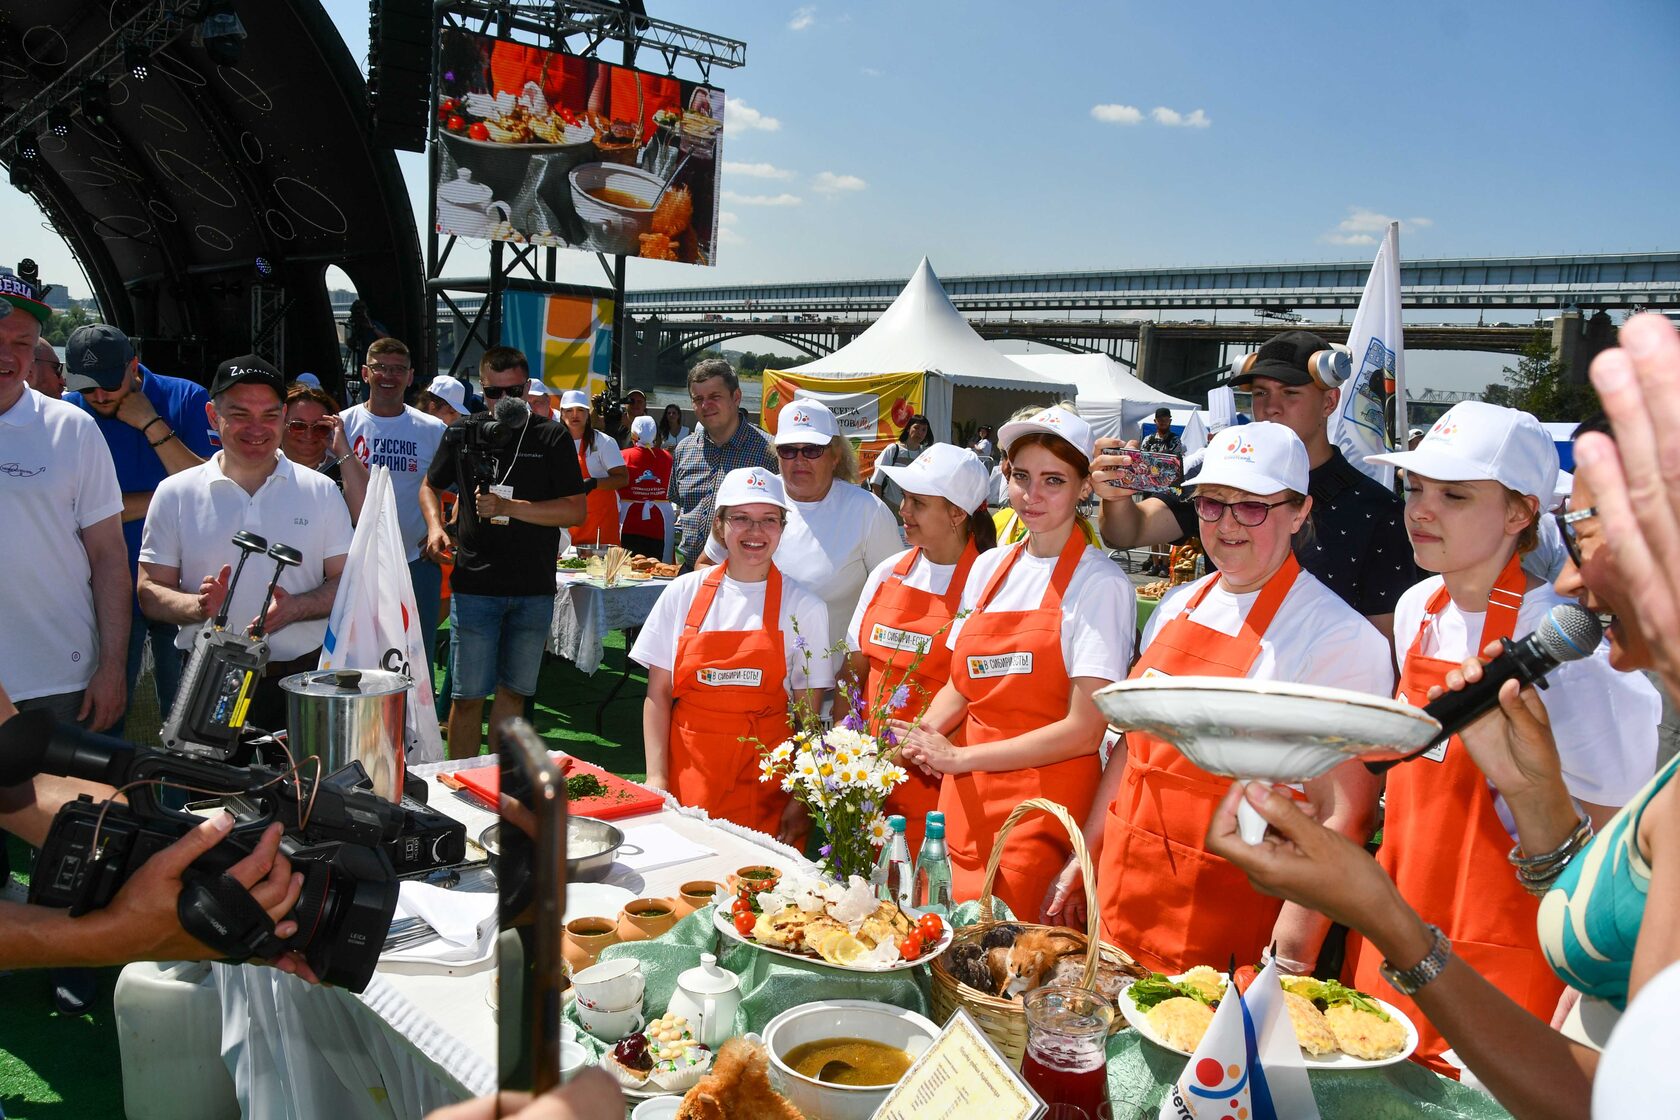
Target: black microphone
512, 411
1567, 633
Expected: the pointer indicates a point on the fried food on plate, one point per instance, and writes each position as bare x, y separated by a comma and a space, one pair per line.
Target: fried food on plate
1181, 1021
1365, 1034
738, 1088
1205, 980
1311, 1029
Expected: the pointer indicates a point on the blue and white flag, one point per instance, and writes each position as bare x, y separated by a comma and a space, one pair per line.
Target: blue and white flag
1248, 1064
1377, 343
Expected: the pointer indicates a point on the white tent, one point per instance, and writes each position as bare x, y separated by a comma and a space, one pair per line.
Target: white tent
1111, 400
967, 381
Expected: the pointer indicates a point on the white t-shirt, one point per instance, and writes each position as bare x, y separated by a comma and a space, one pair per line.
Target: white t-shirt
831, 546
1315, 637
195, 513
1605, 722
405, 444
924, 575
56, 479
603, 456
1099, 610
740, 606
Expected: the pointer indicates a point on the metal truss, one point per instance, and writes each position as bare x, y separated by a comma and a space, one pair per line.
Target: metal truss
599, 21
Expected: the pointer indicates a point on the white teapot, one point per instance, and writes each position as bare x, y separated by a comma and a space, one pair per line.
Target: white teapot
708, 997
467, 209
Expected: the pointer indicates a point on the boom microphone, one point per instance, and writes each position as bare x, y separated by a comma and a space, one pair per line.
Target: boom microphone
1567, 633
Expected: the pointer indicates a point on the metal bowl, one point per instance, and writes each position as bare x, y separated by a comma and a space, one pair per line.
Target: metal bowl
597, 841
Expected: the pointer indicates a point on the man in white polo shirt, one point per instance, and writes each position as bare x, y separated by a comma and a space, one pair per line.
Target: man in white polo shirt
187, 553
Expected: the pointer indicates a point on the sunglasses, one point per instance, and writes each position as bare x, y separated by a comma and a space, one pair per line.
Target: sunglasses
1566, 529
808, 450
54, 366
386, 367
493, 392
321, 428
1246, 513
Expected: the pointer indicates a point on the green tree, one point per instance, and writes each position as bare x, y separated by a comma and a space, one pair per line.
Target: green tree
61, 323
1539, 384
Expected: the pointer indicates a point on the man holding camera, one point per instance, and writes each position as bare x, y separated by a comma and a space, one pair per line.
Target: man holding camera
519, 483
187, 553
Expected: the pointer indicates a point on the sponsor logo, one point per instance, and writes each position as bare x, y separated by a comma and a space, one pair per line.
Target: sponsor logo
1000, 665
894, 638
1444, 428
757, 480
1151, 673
1054, 419
1240, 447
730, 678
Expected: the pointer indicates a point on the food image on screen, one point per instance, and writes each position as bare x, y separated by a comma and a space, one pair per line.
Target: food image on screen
550, 149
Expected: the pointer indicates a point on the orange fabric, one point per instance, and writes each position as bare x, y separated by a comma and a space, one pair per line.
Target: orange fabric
600, 519
1008, 665
1445, 848
900, 616
1165, 899
446, 503
725, 684
561, 76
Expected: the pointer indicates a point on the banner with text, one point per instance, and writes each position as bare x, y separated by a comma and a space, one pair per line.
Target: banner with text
566, 338
868, 408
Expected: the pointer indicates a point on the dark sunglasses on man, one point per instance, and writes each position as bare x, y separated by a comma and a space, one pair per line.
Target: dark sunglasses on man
496, 392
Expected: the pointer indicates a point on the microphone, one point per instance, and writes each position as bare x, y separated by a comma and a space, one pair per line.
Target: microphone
512, 411
1567, 633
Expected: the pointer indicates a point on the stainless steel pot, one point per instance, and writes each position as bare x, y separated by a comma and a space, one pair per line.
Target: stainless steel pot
350, 715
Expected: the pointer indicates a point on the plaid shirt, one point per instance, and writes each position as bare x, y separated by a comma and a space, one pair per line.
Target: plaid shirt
697, 469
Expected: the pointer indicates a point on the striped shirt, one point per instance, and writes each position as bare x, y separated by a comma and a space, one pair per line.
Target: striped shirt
697, 470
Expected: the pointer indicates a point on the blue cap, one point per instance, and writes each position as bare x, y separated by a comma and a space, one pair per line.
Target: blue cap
896, 823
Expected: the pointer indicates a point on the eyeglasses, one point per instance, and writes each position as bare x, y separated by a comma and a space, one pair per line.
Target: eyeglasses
321, 428
808, 450
51, 364
492, 392
1246, 513
1566, 529
386, 367
741, 522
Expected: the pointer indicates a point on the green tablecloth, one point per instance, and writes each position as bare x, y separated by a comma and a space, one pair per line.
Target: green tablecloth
1139, 1073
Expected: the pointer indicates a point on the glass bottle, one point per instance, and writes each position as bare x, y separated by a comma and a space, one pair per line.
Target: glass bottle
933, 869
895, 874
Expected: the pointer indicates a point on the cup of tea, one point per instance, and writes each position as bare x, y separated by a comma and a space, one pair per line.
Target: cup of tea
609, 986
610, 1026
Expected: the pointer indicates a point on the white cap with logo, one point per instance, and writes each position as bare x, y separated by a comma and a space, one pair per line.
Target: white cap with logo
1475, 441
1261, 458
574, 398
450, 391
947, 471
747, 486
803, 420
1055, 421
643, 429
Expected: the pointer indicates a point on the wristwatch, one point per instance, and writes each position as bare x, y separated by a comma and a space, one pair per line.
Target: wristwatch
1407, 981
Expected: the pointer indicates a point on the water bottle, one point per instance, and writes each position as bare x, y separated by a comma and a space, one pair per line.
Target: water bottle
933, 869
894, 877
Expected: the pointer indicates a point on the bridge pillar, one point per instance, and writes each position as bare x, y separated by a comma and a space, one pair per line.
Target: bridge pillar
641, 353
1577, 343
1167, 363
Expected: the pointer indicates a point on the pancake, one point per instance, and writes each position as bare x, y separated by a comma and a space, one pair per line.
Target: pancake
1181, 1021
1312, 1031
1364, 1034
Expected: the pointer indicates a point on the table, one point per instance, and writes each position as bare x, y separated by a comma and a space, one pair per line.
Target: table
584, 611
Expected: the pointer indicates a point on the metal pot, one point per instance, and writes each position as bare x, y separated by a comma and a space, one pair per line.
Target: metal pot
350, 715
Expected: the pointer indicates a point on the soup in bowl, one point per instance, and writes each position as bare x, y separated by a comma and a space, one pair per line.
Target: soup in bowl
836, 1034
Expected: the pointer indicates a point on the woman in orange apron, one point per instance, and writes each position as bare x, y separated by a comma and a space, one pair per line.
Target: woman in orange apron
724, 648
896, 640
603, 469
1164, 899
1051, 621
1474, 488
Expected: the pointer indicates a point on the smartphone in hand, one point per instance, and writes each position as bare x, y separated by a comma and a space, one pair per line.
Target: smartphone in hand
1149, 472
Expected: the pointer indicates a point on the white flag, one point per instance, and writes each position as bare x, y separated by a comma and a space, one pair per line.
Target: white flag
1377, 343
374, 623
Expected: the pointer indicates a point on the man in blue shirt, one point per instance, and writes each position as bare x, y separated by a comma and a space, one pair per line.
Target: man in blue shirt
155, 426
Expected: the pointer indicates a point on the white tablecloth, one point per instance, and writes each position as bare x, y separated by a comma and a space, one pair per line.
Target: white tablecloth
584, 612
419, 1036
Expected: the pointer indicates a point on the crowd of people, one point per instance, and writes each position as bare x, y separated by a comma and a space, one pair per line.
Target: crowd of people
1524, 862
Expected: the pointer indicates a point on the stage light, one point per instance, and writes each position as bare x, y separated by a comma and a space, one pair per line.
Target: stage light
96, 102
138, 60
27, 147
58, 121
23, 176
264, 268
221, 33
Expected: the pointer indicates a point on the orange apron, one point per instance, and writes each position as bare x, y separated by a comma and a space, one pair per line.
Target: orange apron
729, 683
897, 621
1008, 665
1445, 848
1165, 899
600, 520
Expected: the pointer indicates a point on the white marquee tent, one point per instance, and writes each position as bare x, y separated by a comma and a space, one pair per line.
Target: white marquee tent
1111, 400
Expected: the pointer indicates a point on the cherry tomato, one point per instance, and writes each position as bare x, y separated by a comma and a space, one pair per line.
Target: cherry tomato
911, 947
931, 928
742, 906
455, 123
744, 923
477, 131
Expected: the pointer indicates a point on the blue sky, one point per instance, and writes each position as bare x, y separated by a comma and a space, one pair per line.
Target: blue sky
1016, 137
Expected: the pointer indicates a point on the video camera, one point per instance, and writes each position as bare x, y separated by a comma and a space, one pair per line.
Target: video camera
487, 438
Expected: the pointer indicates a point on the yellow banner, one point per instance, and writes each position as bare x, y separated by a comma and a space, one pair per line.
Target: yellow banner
870, 409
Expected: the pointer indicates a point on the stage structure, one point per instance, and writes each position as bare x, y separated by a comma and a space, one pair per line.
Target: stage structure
545, 141
206, 161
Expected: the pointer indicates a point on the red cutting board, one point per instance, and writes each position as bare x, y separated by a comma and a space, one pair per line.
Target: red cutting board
623, 798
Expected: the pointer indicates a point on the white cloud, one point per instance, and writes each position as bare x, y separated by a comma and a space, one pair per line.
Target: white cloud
756, 170
743, 116
871, 72
1117, 114
1364, 226
1172, 118
803, 18
829, 183
783, 199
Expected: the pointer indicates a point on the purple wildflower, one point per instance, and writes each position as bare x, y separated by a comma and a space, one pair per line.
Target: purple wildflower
887, 734
868, 808
853, 722
800, 644
826, 850
900, 697
831, 785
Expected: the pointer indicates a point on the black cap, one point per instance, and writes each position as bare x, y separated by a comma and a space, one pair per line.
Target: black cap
96, 356
1283, 357
247, 370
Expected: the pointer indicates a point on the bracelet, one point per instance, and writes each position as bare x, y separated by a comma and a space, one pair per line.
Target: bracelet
1407, 981
147, 426
1538, 873
159, 442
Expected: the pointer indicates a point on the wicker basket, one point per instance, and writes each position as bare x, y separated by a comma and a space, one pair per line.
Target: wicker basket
1004, 1021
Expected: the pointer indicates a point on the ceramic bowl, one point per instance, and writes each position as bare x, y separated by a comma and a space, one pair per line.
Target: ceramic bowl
646, 918
841, 1018
615, 226
584, 939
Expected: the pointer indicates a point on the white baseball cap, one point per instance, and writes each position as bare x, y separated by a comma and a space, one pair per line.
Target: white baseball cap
946, 471
747, 486
449, 390
1056, 421
574, 398
803, 420
643, 429
1260, 458
1475, 441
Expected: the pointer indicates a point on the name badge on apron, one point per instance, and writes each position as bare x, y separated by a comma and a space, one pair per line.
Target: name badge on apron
724, 678
1437, 753
891, 637
1000, 665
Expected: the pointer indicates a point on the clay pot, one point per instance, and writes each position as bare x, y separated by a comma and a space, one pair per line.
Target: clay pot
643, 919
759, 875
696, 895
584, 939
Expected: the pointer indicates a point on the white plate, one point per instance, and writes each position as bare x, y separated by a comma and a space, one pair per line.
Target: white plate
1338, 1060
595, 900
720, 919
1273, 730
